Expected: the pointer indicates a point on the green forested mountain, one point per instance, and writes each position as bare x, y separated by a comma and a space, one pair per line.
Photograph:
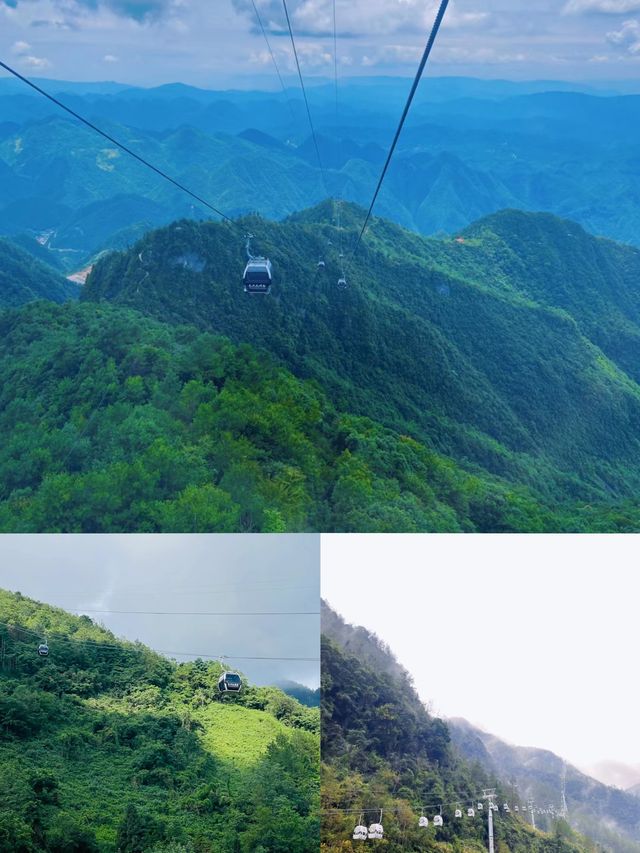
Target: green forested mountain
607, 814
513, 352
381, 749
24, 279
107, 746
304, 695
453, 386
111, 421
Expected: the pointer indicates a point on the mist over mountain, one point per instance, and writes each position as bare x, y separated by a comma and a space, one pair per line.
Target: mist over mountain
607, 814
381, 748
615, 773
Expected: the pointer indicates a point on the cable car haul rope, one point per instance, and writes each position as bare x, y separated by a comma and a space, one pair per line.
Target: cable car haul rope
258, 272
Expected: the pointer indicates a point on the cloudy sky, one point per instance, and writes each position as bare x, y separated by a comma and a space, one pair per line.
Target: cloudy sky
535, 643
185, 574
216, 43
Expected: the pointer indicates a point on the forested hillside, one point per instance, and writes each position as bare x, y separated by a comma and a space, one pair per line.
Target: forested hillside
106, 746
110, 421
25, 279
607, 814
381, 749
454, 386
511, 350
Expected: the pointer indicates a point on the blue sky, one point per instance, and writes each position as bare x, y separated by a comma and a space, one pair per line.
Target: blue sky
215, 43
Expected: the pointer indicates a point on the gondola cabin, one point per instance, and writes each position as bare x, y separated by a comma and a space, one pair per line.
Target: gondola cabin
360, 833
423, 822
43, 650
376, 831
258, 275
229, 682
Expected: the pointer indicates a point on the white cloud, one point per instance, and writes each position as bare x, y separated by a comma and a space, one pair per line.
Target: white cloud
20, 48
359, 17
605, 7
35, 63
109, 57
627, 37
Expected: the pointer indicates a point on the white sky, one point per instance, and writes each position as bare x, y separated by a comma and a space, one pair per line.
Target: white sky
534, 639
194, 573
216, 43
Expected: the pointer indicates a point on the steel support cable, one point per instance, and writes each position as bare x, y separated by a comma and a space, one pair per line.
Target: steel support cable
130, 648
337, 117
414, 88
273, 57
119, 144
304, 95
82, 611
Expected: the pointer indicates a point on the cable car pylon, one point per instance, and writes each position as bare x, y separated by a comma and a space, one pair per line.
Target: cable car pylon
489, 794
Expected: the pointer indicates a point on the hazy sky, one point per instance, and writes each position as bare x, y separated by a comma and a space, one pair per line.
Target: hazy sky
534, 639
183, 573
217, 43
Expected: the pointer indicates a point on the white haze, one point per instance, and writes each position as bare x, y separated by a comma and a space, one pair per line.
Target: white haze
531, 638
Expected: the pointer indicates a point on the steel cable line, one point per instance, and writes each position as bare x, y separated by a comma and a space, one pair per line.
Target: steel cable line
414, 88
130, 648
119, 144
304, 95
273, 58
242, 657
337, 117
196, 613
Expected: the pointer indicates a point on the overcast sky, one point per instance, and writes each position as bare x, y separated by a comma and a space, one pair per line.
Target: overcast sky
534, 639
216, 43
183, 573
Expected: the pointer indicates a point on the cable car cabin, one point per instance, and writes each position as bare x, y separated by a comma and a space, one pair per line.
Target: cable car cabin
423, 823
258, 275
321, 265
342, 283
43, 650
458, 813
506, 807
471, 813
376, 831
229, 682
437, 821
480, 807
360, 833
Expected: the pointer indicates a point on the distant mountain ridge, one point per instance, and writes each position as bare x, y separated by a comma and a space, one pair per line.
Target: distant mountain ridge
608, 815
472, 148
23, 279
